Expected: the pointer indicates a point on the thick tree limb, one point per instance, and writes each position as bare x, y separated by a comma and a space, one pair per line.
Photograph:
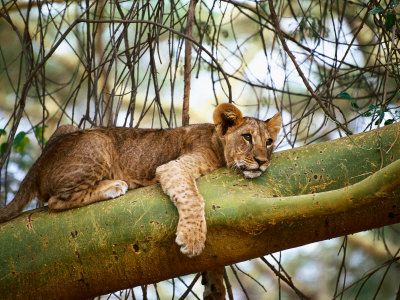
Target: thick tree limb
129, 241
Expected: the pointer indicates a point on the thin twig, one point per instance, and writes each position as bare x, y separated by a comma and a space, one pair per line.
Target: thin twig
367, 276
190, 287
288, 281
228, 285
240, 282
217, 64
300, 72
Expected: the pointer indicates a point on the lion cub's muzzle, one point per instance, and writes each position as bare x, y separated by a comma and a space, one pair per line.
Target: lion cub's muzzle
252, 173
251, 168
257, 171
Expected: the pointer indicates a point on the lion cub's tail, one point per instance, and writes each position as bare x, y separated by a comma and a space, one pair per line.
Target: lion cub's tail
24, 195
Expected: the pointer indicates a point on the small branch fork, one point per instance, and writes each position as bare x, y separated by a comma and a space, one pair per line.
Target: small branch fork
300, 72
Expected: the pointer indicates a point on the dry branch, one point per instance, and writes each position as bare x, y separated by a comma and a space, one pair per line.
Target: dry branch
300, 72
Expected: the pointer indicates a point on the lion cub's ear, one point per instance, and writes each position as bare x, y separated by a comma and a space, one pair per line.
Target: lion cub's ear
225, 116
274, 125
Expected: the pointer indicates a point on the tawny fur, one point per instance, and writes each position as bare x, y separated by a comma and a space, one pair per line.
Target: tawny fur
79, 167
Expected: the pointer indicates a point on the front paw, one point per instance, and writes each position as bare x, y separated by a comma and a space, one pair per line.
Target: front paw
192, 237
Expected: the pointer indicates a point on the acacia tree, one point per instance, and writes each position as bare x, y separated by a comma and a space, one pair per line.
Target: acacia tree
330, 67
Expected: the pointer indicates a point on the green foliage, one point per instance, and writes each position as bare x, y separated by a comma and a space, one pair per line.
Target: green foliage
393, 4
4, 145
376, 10
378, 112
3, 148
388, 122
39, 133
390, 20
390, 15
374, 111
20, 142
353, 101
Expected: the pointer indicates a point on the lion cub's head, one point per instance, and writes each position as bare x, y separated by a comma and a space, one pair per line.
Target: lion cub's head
248, 142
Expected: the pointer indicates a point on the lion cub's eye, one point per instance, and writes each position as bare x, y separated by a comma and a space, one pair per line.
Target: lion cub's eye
247, 137
269, 142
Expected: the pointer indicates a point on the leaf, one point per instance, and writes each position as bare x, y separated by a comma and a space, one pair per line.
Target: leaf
344, 95
374, 110
3, 148
388, 122
353, 102
18, 138
376, 10
3, 132
39, 133
390, 20
394, 4
20, 141
302, 25
380, 119
20, 148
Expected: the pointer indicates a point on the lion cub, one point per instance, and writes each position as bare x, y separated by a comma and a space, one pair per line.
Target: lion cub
79, 167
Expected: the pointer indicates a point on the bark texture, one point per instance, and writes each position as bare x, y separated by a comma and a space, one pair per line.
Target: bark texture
308, 194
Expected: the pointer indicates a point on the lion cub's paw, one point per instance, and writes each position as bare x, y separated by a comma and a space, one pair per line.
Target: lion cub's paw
191, 238
115, 189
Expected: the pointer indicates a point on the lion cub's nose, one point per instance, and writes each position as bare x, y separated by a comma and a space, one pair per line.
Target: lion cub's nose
260, 161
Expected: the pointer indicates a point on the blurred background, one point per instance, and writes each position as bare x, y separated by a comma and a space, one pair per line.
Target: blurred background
122, 63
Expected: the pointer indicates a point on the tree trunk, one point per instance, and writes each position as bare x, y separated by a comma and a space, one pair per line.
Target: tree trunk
129, 241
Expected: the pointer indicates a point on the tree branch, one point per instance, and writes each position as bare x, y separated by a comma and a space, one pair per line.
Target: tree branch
123, 243
188, 65
300, 72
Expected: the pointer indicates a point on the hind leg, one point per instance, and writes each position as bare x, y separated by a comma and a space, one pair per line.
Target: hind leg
102, 190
